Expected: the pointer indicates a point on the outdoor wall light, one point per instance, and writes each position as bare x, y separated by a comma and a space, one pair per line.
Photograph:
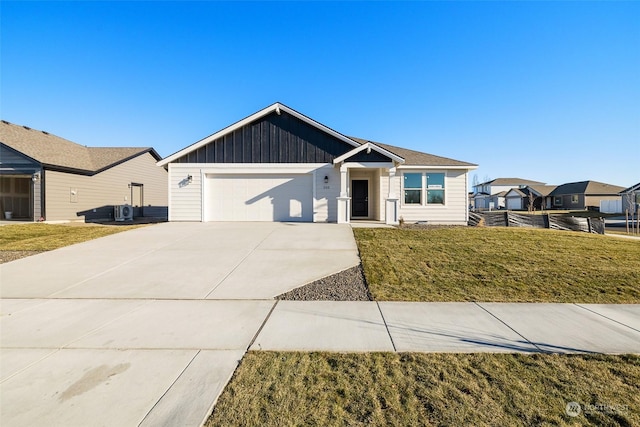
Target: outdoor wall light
326, 179
189, 179
35, 177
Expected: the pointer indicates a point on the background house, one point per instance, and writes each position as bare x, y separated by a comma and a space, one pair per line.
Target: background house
584, 195
631, 198
43, 176
491, 194
522, 197
280, 165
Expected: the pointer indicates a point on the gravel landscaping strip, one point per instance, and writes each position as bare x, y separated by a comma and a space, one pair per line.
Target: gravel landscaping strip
7, 256
348, 285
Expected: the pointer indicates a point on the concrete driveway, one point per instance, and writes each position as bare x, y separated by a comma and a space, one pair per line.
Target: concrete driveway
187, 261
146, 327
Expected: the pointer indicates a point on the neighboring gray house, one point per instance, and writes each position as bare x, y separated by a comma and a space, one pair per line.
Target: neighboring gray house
45, 177
631, 198
280, 165
491, 194
521, 198
584, 195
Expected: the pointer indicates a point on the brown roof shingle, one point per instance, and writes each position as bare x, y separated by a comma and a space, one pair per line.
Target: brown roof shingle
416, 158
51, 150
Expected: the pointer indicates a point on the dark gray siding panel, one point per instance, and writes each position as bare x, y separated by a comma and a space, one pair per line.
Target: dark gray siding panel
373, 156
12, 160
273, 139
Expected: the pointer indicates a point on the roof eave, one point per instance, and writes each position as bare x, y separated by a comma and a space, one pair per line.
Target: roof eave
368, 146
277, 108
458, 167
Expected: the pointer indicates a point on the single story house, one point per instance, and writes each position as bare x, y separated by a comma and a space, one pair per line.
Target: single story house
631, 198
585, 195
491, 194
521, 198
280, 165
45, 177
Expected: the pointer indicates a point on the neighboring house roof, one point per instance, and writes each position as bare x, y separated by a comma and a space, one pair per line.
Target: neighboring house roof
58, 153
540, 190
589, 188
632, 188
500, 194
511, 181
401, 155
516, 193
417, 158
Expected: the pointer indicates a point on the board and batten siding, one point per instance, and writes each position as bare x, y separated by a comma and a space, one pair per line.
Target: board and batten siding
453, 212
271, 139
68, 194
186, 197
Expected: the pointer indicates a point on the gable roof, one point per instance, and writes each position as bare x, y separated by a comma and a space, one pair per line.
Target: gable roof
277, 108
401, 155
369, 146
516, 191
58, 153
418, 158
632, 188
511, 181
542, 190
592, 188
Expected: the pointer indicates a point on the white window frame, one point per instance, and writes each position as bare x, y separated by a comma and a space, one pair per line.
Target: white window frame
424, 190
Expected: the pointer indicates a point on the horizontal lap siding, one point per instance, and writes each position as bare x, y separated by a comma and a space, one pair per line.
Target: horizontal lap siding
326, 201
185, 202
454, 212
110, 187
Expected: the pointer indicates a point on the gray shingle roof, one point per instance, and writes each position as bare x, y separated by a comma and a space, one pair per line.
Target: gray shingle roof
588, 188
512, 181
53, 151
416, 158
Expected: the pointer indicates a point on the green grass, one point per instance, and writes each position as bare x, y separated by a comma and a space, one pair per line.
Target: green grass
391, 389
499, 264
46, 237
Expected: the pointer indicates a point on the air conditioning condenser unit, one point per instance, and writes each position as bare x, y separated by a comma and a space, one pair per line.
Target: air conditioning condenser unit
123, 212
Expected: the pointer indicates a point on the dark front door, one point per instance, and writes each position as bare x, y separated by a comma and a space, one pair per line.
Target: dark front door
360, 198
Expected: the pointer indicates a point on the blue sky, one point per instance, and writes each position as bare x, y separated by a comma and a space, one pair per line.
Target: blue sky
548, 91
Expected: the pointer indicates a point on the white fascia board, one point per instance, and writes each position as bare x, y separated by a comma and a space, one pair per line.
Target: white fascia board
277, 107
468, 168
368, 146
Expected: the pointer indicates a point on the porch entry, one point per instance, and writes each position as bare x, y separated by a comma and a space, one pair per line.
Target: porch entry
360, 198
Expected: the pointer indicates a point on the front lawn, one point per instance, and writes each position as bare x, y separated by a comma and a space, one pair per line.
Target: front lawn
408, 389
499, 264
46, 237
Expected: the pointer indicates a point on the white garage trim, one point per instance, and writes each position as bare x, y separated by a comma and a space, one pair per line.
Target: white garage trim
258, 197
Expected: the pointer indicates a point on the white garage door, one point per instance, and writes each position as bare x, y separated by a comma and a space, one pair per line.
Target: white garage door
514, 203
259, 198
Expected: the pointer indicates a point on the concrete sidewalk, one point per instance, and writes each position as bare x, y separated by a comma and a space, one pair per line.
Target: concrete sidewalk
451, 327
165, 362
